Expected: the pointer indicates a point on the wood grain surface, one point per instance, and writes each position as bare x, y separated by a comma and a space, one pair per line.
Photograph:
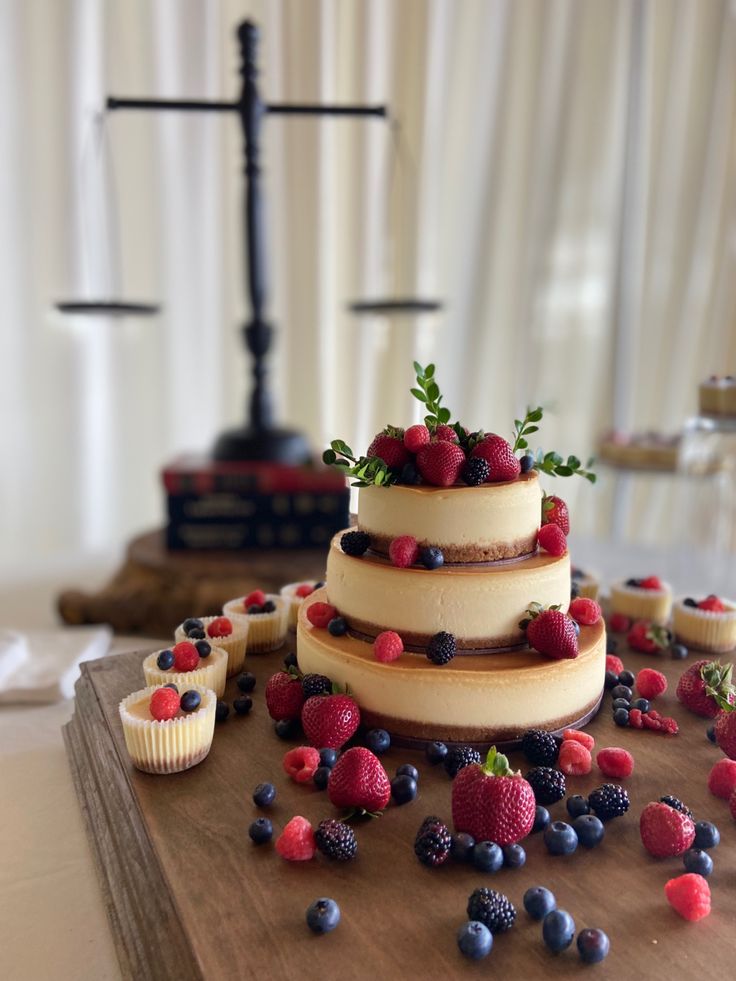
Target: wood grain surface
189, 896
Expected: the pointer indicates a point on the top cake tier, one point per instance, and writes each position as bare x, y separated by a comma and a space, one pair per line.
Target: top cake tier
470, 524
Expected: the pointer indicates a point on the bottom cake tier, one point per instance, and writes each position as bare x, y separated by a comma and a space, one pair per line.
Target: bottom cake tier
480, 699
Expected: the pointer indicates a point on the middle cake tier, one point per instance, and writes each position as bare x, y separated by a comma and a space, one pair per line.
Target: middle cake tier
480, 604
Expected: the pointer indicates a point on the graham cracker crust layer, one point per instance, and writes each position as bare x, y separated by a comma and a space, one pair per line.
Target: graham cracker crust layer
466, 554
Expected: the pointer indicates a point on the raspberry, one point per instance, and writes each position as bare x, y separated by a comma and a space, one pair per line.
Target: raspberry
220, 627
302, 590
416, 437
585, 611
649, 721
387, 646
579, 737
300, 763
552, 539
256, 598
186, 656
722, 778
635, 719
712, 604
614, 664
689, 895
574, 759
320, 614
164, 704
650, 683
296, 842
670, 726
403, 551
615, 762
651, 582
619, 623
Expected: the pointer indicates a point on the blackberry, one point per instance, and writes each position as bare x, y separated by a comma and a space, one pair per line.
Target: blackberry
491, 908
432, 844
539, 747
475, 471
355, 543
609, 801
337, 840
441, 648
316, 684
548, 784
677, 804
430, 819
458, 757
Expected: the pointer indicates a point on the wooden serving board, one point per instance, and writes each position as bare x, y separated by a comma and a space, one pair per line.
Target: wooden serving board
189, 896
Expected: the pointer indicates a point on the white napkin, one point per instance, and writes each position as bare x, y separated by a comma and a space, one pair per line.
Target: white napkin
41, 666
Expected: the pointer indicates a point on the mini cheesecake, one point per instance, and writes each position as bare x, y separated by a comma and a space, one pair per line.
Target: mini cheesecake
266, 631
587, 584
642, 603
210, 673
713, 631
231, 636
717, 396
171, 745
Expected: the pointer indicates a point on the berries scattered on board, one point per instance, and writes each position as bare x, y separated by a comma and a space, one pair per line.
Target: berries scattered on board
336, 840
296, 843
609, 801
359, 782
323, 915
665, 831
689, 895
492, 802
330, 720
491, 908
539, 747
300, 763
615, 762
548, 784
433, 843
574, 759
284, 696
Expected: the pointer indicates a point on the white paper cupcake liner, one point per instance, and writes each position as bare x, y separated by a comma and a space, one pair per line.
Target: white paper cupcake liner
267, 631
293, 602
705, 630
211, 673
172, 745
235, 646
642, 604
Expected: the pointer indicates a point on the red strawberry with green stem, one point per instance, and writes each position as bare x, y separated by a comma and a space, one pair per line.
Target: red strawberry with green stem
358, 781
551, 632
284, 695
389, 446
647, 637
726, 733
440, 462
706, 688
499, 456
330, 720
492, 802
554, 512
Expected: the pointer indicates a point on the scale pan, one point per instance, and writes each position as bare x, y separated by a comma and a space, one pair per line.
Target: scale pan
108, 308
400, 305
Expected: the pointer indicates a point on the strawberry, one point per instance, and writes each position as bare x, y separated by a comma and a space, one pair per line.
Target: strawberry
164, 704
389, 445
647, 637
615, 762
554, 512
415, 438
665, 831
722, 779
705, 688
574, 758
186, 656
732, 805
297, 843
650, 683
586, 612
359, 781
284, 696
499, 456
492, 802
614, 664
619, 623
330, 720
550, 632
445, 433
300, 763
388, 646
320, 614
403, 551
689, 895
440, 462
726, 733
651, 582
712, 604
578, 736
552, 539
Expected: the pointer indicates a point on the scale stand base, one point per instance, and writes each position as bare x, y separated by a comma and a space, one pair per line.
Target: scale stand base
286, 446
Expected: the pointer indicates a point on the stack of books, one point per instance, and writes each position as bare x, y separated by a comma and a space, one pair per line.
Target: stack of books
217, 505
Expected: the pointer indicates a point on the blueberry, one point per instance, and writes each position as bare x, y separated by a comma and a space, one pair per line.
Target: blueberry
261, 831
431, 557
338, 626
319, 585
679, 652
577, 805
264, 795
642, 704
576, 628
436, 752
377, 741
474, 940
268, 607
621, 703
527, 462
633, 582
558, 930
711, 733
689, 601
190, 701
246, 682
541, 819
165, 660
589, 830
290, 660
514, 856
560, 838
622, 691
222, 710
698, 861
574, 590
196, 633
627, 678
327, 757
191, 623
611, 680
172, 686
286, 728
611, 645
409, 474
409, 770
243, 705
254, 608
323, 915
593, 946
487, 856
321, 777
403, 789
462, 847
621, 717
707, 835
538, 902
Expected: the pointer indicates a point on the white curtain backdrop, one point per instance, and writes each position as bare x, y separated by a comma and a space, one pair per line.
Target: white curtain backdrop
561, 173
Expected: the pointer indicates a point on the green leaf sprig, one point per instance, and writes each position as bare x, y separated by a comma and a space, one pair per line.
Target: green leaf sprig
525, 427
369, 471
556, 466
428, 393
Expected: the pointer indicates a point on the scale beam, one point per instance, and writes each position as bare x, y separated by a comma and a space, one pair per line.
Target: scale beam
217, 105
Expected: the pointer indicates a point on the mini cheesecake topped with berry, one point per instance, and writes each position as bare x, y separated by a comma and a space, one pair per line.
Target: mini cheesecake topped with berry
188, 663
227, 632
707, 624
266, 616
647, 598
717, 396
294, 593
165, 731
